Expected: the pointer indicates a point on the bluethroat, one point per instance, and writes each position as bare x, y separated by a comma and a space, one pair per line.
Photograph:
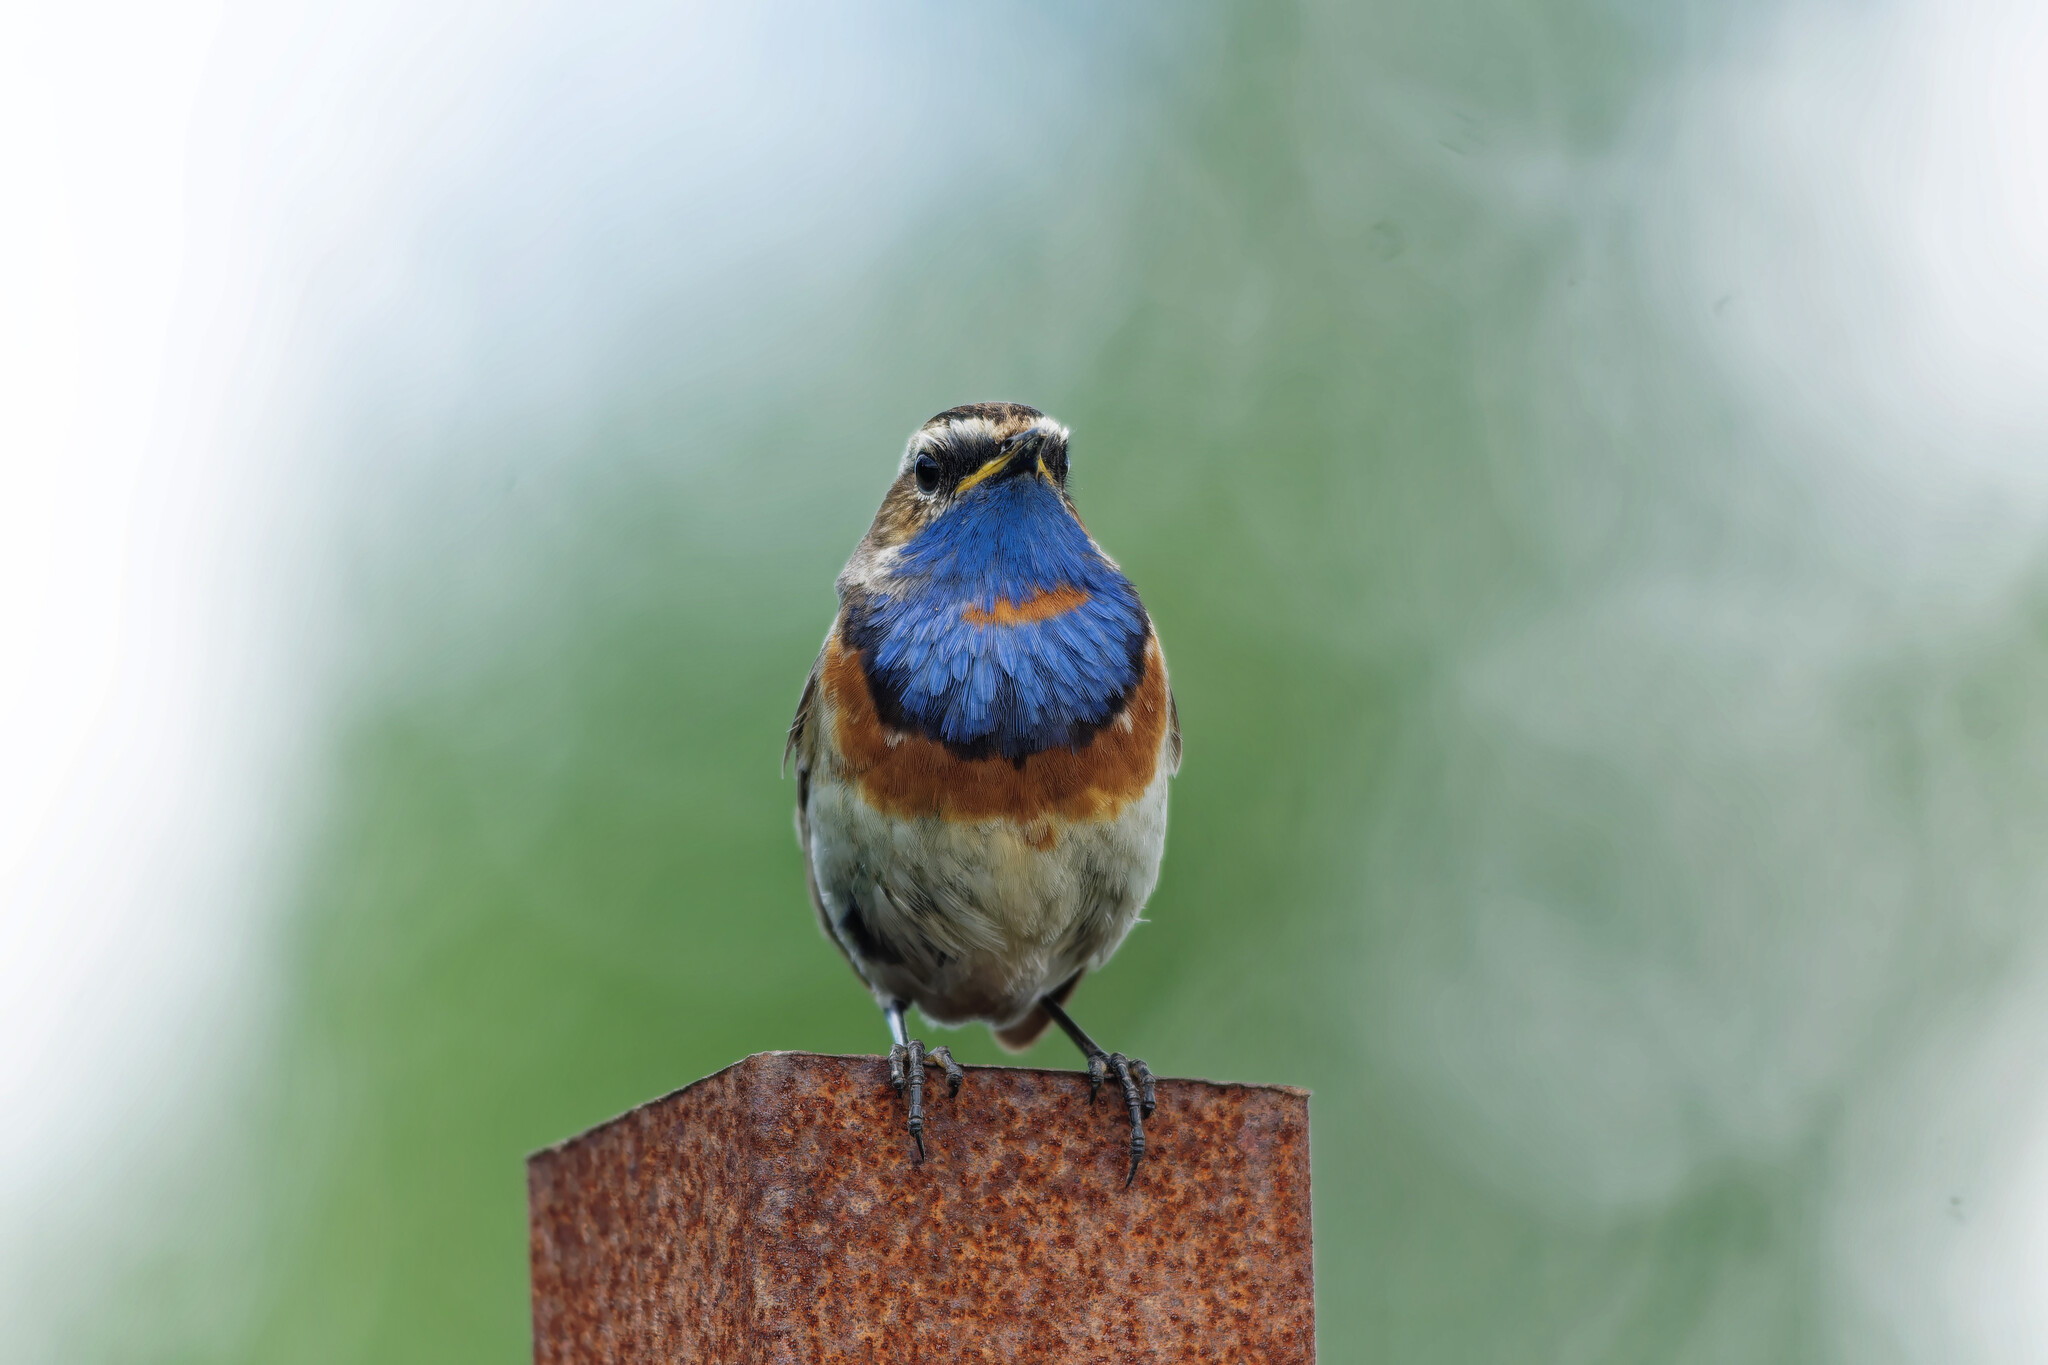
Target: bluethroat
982, 751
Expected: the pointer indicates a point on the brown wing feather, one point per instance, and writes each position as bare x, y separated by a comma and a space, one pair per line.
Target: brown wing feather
1172, 733
801, 745
800, 723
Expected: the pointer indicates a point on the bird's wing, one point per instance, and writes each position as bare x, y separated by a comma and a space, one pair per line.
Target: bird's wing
798, 744
802, 746
1172, 733
1172, 706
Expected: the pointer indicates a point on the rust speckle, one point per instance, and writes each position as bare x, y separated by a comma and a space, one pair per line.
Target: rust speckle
771, 1213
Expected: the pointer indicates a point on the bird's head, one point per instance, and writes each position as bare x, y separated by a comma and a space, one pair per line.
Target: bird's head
990, 461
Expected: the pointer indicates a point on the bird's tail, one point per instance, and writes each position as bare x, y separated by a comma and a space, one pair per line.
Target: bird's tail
1022, 1034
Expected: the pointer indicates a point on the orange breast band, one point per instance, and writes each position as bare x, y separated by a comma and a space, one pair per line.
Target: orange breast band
910, 775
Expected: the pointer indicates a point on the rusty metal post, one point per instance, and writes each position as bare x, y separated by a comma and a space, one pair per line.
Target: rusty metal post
771, 1213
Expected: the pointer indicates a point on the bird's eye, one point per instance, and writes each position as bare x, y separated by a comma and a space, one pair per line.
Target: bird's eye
927, 474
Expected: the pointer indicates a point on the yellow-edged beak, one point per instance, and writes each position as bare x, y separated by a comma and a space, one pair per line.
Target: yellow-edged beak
1011, 461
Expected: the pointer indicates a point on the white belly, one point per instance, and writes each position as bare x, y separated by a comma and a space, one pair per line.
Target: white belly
977, 921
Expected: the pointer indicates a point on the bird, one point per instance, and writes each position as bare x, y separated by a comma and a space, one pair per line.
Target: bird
982, 753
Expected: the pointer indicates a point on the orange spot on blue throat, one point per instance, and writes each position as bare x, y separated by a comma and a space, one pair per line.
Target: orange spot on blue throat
1039, 605
1000, 628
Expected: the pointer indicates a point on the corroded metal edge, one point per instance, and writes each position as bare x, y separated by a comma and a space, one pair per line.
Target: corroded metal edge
566, 1143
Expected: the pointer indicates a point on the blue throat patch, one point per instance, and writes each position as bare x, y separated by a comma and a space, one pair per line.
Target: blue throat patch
944, 659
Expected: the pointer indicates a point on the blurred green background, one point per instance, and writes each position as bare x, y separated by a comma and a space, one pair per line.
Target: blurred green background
1610, 652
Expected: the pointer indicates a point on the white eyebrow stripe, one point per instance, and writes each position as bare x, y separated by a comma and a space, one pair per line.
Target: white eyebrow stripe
924, 438
965, 428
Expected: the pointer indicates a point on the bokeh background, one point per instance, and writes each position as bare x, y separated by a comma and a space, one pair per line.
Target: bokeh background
1588, 462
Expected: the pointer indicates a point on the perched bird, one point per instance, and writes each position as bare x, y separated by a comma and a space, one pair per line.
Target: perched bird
982, 751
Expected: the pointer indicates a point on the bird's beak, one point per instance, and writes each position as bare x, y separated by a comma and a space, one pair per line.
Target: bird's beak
1023, 453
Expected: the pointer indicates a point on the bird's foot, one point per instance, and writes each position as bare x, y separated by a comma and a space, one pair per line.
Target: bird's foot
907, 1061
1135, 1079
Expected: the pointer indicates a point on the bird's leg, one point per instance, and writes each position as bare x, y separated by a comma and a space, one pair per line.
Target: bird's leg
1132, 1075
907, 1061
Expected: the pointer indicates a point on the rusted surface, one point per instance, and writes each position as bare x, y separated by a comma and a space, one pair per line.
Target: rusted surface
772, 1213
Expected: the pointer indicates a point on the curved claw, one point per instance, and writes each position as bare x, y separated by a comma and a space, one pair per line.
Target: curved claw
907, 1061
954, 1075
1139, 1101
1133, 1077
914, 1066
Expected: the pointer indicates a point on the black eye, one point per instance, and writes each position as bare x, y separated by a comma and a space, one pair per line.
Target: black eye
927, 474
